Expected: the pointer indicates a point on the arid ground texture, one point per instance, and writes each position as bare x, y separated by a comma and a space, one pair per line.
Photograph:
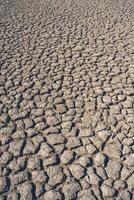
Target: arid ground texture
66, 100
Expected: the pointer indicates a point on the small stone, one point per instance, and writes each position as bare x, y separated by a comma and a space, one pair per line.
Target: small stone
31, 132
41, 126
96, 142
128, 141
115, 80
55, 139
107, 191
33, 163
16, 147
26, 191
119, 184
18, 164
73, 142
67, 157
18, 135
52, 195
13, 196
86, 133
91, 149
88, 195
70, 103
113, 169
128, 104
53, 130
4, 118
109, 182
55, 174
81, 150
21, 164
85, 183
102, 173
50, 161
100, 127
5, 139
30, 148
6, 157
112, 120
85, 161
28, 123
67, 125
100, 159
112, 151
4, 185
40, 189
45, 150
107, 99
53, 121
39, 176
70, 190
19, 178
115, 109
59, 148
121, 97
20, 125
124, 194
130, 182
61, 109
126, 150
104, 135
95, 179
77, 171
130, 160
125, 173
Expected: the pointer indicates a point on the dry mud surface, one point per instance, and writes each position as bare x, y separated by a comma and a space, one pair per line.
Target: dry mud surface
66, 100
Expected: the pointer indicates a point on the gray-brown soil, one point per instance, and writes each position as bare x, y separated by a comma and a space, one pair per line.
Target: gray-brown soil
66, 100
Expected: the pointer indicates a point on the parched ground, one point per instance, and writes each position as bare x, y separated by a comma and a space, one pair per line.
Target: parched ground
67, 100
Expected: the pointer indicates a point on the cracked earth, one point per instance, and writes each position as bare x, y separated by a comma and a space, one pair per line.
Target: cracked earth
66, 100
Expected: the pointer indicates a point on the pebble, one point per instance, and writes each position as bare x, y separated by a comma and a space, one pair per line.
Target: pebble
45, 150
100, 159
53, 160
39, 176
26, 191
52, 195
67, 157
34, 163
6, 158
61, 109
54, 139
112, 151
77, 171
70, 190
30, 148
125, 195
129, 160
107, 191
130, 182
28, 123
55, 174
113, 169
91, 149
85, 161
4, 185
86, 133
16, 147
19, 178
104, 135
73, 142
95, 179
